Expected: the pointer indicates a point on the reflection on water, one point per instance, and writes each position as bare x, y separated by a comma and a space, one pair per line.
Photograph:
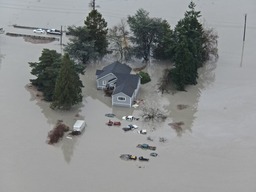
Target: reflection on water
170, 102
185, 117
1, 57
68, 147
53, 116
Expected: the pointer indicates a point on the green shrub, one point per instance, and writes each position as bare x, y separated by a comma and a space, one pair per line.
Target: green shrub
145, 78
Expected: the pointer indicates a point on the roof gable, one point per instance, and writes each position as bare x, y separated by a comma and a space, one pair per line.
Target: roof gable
126, 84
114, 68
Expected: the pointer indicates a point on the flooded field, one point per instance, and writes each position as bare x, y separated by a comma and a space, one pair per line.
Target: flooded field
213, 150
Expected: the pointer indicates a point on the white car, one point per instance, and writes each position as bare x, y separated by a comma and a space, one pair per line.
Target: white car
143, 131
39, 31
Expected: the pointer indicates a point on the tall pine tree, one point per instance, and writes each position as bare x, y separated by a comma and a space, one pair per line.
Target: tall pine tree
188, 49
98, 30
46, 71
68, 86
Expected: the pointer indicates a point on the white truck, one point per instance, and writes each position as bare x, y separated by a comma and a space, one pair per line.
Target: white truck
54, 32
79, 126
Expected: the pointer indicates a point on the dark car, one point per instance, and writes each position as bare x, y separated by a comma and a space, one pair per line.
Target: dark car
141, 158
146, 146
130, 127
153, 154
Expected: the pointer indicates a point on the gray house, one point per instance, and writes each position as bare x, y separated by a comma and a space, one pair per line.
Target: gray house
125, 86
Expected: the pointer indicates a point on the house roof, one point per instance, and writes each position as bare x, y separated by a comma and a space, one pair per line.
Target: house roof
126, 84
115, 68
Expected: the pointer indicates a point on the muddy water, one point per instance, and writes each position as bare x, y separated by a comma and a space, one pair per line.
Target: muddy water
213, 151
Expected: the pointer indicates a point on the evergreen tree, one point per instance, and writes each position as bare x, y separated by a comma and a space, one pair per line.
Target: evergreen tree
164, 44
195, 33
81, 48
68, 86
46, 71
145, 31
185, 71
97, 27
188, 49
88, 42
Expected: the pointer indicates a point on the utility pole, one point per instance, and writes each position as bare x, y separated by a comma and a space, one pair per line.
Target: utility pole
245, 19
61, 35
93, 4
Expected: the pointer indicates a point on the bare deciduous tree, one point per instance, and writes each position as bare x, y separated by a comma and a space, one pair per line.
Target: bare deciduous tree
210, 50
119, 40
153, 114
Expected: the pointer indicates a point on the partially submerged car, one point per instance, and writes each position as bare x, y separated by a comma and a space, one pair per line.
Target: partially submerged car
132, 157
153, 154
115, 123
141, 158
110, 115
143, 131
130, 127
128, 157
146, 146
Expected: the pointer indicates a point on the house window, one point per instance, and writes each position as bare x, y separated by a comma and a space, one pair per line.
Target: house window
104, 82
121, 98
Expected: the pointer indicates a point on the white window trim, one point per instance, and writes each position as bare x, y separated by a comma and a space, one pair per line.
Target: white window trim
104, 82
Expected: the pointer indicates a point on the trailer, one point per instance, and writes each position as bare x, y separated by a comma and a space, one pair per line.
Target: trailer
79, 126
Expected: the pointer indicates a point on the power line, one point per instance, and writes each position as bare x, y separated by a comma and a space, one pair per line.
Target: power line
107, 12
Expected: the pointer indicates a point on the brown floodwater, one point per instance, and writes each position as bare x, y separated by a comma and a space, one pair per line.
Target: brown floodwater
212, 150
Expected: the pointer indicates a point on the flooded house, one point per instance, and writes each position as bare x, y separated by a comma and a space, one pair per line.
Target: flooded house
117, 80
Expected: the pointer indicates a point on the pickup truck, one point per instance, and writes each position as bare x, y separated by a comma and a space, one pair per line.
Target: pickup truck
53, 32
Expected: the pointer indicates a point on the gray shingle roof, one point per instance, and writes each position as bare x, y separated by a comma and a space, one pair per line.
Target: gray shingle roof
115, 67
126, 82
